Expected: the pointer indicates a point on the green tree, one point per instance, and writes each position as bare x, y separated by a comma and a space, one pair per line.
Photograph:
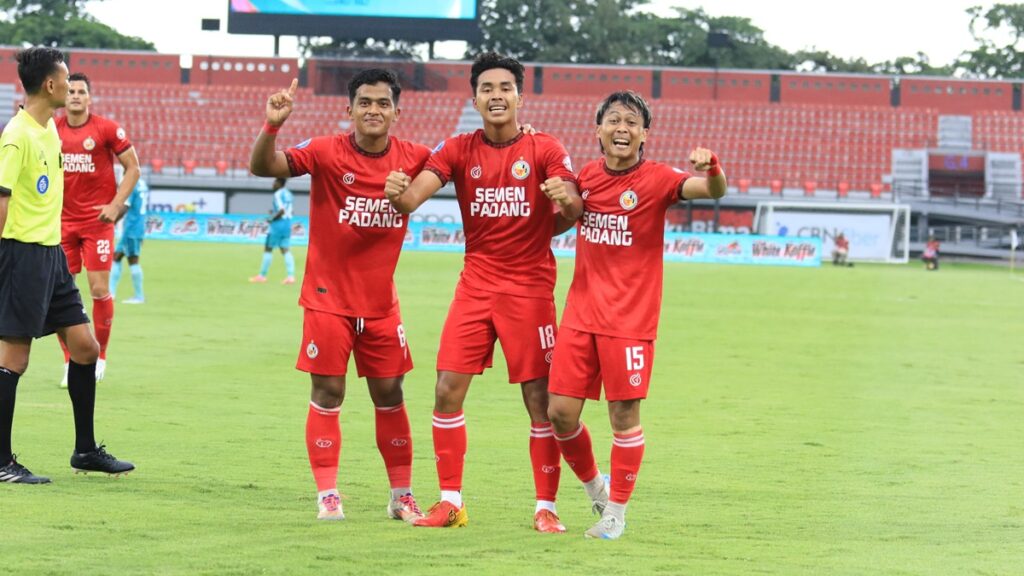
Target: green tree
360, 48
998, 31
61, 23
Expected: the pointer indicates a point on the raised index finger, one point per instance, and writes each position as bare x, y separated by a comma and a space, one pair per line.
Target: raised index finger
293, 87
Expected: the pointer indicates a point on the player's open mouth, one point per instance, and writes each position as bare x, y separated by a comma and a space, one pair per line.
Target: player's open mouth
497, 108
620, 143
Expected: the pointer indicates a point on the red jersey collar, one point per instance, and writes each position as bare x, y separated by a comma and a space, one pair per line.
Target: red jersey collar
629, 170
381, 154
518, 137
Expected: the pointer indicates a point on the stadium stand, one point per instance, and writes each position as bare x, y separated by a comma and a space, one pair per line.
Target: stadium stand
783, 133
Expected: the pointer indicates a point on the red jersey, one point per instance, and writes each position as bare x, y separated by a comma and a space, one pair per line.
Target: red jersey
507, 219
89, 152
616, 288
355, 234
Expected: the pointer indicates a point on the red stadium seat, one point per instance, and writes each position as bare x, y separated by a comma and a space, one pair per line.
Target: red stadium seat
843, 190
189, 166
157, 165
744, 185
776, 187
809, 187
222, 167
876, 190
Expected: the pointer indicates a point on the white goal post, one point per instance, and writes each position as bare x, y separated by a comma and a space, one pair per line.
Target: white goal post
876, 232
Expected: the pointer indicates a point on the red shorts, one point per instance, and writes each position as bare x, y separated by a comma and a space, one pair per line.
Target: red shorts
92, 242
328, 340
525, 326
583, 360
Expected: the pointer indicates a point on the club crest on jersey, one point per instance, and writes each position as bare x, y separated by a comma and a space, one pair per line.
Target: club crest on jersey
311, 350
567, 162
628, 200
521, 170
348, 178
89, 143
43, 184
476, 172
121, 135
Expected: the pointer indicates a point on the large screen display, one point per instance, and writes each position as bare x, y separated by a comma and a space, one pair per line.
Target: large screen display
418, 20
456, 9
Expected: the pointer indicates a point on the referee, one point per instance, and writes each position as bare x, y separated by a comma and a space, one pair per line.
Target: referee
38, 295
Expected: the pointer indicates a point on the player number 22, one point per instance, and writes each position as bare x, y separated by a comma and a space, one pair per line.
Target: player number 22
635, 358
103, 246
547, 336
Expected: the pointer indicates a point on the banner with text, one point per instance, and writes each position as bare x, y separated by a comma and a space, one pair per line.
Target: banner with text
449, 237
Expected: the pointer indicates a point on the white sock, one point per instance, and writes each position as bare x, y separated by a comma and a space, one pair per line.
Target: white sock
397, 493
545, 505
453, 496
617, 510
595, 487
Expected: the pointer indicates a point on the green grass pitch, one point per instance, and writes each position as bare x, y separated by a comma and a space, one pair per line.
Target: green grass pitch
822, 421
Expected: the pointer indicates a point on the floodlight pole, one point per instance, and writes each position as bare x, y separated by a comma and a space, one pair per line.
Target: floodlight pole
277, 45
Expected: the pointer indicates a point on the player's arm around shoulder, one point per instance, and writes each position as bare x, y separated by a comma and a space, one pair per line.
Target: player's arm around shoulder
713, 185
265, 159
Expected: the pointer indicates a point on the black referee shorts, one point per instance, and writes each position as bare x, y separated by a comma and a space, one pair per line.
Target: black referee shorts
37, 293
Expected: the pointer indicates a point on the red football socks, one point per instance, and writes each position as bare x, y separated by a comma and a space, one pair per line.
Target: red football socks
546, 460
627, 453
578, 451
394, 440
323, 442
450, 448
103, 319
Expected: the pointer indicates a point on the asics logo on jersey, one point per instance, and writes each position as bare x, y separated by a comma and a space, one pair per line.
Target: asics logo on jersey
348, 178
628, 200
311, 350
476, 172
399, 442
323, 443
521, 169
89, 143
635, 380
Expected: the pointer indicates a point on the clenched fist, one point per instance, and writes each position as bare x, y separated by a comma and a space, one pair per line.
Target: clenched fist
703, 159
396, 184
554, 188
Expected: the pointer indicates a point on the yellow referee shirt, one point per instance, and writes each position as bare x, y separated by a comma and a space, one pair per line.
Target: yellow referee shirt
31, 169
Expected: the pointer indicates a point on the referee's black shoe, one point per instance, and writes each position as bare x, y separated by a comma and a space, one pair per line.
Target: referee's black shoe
15, 473
99, 460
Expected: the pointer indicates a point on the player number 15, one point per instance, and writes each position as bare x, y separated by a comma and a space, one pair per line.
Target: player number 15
635, 358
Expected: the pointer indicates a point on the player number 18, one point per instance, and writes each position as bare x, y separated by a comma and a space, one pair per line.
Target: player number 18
547, 336
635, 358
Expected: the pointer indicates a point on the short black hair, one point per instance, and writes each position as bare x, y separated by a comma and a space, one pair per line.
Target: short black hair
491, 60
79, 77
280, 182
629, 99
35, 64
374, 76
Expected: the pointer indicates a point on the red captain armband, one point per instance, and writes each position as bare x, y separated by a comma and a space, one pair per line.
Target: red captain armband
271, 130
715, 169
